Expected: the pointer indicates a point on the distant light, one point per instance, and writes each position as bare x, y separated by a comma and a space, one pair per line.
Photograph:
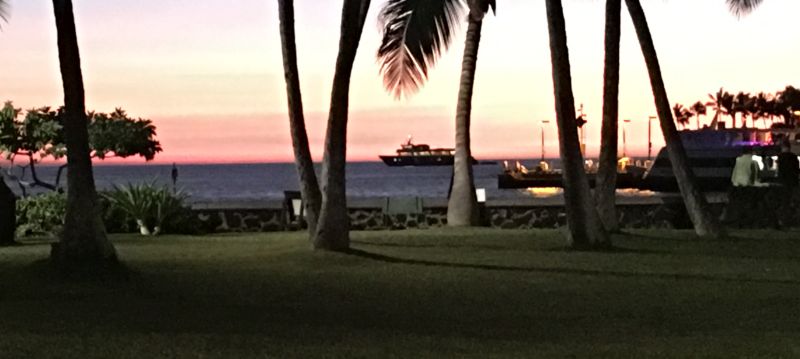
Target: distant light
481, 194
797, 113
540, 192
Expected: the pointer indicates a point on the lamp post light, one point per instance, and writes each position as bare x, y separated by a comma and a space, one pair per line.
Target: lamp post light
650, 137
544, 122
625, 137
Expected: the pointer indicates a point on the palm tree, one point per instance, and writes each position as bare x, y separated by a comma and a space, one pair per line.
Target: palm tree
83, 240
721, 103
334, 221
462, 207
763, 106
741, 104
788, 102
583, 222
3, 11
415, 34
696, 206
7, 198
682, 115
605, 189
699, 108
743, 7
309, 186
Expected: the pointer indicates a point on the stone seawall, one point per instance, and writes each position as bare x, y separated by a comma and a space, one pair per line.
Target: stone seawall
661, 212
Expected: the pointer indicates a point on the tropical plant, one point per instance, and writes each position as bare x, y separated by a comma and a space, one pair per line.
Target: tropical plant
787, 104
41, 215
705, 224
743, 7
742, 104
83, 243
309, 186
3, 12
682, 115
605, 189
698, 109
149, 205
333, 231
721, 103
40, 135
585, 230
415, 34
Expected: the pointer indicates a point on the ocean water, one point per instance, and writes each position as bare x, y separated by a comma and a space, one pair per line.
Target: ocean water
267, 181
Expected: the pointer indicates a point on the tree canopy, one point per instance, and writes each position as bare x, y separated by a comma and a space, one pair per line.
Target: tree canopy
39, 135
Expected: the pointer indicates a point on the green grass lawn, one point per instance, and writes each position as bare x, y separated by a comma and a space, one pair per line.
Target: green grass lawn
434, 293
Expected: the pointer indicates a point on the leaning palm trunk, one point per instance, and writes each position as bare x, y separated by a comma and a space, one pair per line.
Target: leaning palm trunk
462, 207
309, 187
705, 224
83, 240
334, 221
606, 187
585, 229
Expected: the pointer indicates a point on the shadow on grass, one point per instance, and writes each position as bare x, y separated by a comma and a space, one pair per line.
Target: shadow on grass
553, 249
440, 245
94, 273
612, 249
575, 271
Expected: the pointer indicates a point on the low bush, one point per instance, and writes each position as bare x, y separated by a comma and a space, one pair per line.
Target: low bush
41, 215
154, 209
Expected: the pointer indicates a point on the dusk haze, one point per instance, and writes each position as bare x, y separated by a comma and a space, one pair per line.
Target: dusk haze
211, 77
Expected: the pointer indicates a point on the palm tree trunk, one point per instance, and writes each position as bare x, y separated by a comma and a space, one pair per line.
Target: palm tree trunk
462, 207
705, 224
309, 187
83, 240
8, 210
606, 187
334, 222
585, 229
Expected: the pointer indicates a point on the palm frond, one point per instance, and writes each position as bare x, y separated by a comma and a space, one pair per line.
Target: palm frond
3, 11
415, 33
743, 7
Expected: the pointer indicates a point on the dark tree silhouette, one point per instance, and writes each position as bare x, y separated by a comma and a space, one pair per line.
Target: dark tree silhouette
606, 187
83, 241
416, 32
743, 7
705, 224
333, 225
585, 229
309, 186
699, 109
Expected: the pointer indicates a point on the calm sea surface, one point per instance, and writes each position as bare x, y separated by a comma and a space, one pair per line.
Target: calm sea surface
252, 182
234, 182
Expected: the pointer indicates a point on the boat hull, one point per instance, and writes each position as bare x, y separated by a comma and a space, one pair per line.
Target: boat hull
432, 160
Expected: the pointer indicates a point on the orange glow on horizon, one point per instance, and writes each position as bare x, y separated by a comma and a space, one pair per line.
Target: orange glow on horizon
217, 94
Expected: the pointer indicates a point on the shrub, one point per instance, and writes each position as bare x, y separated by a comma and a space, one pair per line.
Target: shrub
41, 214
154, 209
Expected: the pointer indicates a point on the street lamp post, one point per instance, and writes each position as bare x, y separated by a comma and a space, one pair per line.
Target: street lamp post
650, 137
625, 137
544, 122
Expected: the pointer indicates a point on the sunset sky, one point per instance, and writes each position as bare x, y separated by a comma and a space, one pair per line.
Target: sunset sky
209, 73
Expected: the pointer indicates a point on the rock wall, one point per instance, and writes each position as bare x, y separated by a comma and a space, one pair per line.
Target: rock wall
664, 215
